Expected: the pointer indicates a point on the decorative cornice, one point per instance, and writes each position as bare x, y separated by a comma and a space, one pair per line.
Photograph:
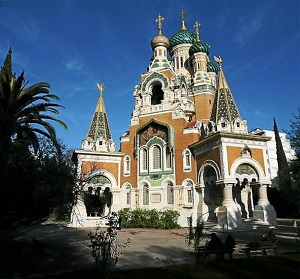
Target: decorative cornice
219, 135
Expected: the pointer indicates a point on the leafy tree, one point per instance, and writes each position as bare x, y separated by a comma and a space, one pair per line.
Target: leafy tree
24, 113
33, 179
294, 132
294, 137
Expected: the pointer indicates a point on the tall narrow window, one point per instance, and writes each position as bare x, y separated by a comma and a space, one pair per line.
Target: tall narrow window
127, 165
145, 195
128, 195
170, 193
156, 157
144, 159
189, 196
187, 160
168, 159
181, 62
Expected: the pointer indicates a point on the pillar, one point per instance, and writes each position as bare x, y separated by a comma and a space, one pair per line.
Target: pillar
202, 208
229, 215
264, 210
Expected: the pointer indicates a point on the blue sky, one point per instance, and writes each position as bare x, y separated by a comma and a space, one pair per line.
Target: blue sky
75, 44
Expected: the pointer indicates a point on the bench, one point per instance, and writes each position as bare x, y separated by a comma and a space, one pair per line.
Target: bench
262, 246
202, 252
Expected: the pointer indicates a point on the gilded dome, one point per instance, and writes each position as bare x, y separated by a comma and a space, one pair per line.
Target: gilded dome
160, 40
199, 47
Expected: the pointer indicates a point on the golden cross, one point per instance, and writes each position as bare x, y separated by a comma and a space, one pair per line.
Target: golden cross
159, 20
196, 26
182, 13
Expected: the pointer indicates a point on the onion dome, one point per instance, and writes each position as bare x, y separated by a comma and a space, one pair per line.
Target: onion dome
211, 67
160, 39
183, 36
198, 46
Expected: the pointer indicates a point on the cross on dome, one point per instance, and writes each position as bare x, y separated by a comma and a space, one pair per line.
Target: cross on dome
196, 26
182, 13
159, 20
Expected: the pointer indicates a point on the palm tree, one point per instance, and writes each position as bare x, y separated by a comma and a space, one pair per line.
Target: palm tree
24, 113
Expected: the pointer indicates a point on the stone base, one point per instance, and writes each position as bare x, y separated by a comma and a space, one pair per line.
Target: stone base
265, 213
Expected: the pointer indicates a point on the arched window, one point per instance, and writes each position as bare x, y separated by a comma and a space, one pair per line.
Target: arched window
127, 165
143, 160
168, 159
156, 152
170, 193
187, 166
157, 94
145, 195
190, 192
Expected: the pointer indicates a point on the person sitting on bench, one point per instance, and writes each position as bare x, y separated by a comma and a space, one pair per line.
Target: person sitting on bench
215, 244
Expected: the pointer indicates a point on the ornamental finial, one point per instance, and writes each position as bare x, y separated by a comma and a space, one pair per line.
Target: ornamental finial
159, 21
196, 26
100, 87
182, 13
218, 60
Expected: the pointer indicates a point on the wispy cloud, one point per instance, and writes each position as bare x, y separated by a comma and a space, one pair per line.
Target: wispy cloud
244, 67
73, 64
249, 27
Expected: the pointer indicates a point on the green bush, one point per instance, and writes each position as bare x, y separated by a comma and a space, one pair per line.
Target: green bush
149, 218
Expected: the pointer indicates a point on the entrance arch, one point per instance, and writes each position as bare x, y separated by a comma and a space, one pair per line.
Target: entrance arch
210, 193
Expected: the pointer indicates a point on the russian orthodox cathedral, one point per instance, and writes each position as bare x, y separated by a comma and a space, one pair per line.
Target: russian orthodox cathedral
187, 147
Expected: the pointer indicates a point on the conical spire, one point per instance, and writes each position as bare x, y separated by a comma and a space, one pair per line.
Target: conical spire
99, 135
225, 113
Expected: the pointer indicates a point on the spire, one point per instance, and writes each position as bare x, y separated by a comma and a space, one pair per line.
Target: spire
182, 13
99, 131
224, 111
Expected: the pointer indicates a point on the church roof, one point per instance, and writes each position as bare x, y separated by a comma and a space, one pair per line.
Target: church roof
99, 126
224, 107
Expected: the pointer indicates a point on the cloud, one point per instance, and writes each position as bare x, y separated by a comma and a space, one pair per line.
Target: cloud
248, 28
73, 65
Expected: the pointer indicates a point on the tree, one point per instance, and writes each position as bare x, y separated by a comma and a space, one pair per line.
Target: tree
294, 137
284, 176
29, 182
294, 132
24, 113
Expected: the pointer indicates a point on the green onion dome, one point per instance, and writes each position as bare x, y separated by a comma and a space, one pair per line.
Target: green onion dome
199, 47
211, 67
182, 37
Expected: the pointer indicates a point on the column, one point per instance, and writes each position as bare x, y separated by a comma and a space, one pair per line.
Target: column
229, 215
202, 208
264, 210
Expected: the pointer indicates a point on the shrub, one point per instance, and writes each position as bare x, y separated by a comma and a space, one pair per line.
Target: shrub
149, 218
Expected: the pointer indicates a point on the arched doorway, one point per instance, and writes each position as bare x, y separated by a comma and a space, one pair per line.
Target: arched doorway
97, 195
245, 191
213, 195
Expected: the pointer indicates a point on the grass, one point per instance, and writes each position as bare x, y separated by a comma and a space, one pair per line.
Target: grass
23, 259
